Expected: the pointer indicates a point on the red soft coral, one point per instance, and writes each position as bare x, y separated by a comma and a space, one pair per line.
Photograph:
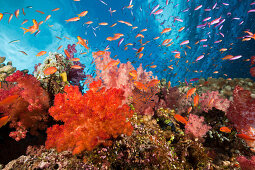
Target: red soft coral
246, 164
89, 119
195, 127
29, 111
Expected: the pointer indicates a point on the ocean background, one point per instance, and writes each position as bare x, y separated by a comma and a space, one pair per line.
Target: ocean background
237, 20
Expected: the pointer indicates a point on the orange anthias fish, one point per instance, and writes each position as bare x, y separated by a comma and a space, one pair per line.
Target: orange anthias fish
140, 50
196, 100
98, 53
245, 137
180, 118
60, 47
48, 17
153, 66
133, 73
41, 53
16, 13
67, 54
50, 70
82, 14
56, 9
1, 16
76, 66
166, 30
4, 120
189, 109
75, 59
225, 129
32, 29
9, 100
82, 42
153, 83
191, 91
227, 57
140, 86
73, 19
103, 23
40, 11
111, 64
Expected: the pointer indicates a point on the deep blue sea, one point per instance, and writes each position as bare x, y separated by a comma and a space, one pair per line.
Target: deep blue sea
176, 14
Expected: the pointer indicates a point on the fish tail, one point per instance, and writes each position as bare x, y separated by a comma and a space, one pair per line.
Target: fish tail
25, 30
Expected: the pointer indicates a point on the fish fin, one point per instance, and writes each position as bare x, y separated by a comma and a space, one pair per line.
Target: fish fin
25, 30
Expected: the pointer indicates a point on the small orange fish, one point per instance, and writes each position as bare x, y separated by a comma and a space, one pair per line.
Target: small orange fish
191, 91
82, 42
76, 67
4, 120
50, 70
23, 11
153, 66
16, 13
48, 17
140, 55
180, 118
143, 30
225, 129
40, 23
153, 83
41, 53
133, 73
58, 37
140, 86
73, 19
67, 54
25, 21
139, 35
10, 18
196, 100
89, 22
169, 84
177, 55
56, 9
113, 25
23, 52
245, 137
9, 100
156, 38
111, 64
98, 53
1, 16
60, 47
182, 28
103, 23
75, 59
166, 30
83, 14
227, 57
140, 50
40, 11
210, 102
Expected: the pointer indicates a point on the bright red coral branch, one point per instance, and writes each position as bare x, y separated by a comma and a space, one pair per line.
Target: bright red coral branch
89, 119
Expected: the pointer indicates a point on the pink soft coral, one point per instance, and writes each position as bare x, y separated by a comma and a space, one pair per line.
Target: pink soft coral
89, 120
212, 99
195, 127
29, 112
115, 77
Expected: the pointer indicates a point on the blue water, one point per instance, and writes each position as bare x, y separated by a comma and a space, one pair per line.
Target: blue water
138, 16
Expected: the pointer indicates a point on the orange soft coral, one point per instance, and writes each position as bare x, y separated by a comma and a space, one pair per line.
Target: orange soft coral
89, 119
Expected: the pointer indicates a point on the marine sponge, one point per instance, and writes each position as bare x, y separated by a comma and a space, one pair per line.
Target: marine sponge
89, 120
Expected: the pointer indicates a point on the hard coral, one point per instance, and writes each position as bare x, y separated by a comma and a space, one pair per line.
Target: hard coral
195, 127
29, 111
89, 119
